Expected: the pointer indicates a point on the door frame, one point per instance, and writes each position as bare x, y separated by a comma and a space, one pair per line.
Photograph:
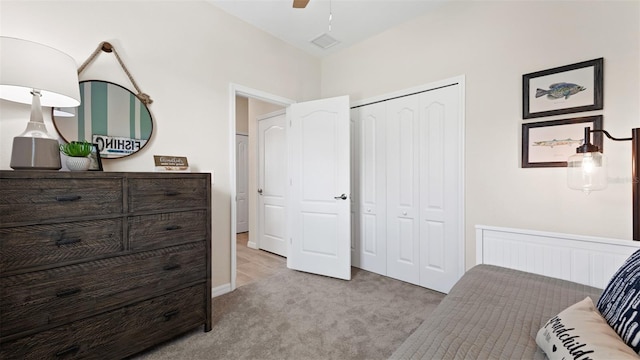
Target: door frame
235, 90
460, 80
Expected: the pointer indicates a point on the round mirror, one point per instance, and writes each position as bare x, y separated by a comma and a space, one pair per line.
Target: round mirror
109, 116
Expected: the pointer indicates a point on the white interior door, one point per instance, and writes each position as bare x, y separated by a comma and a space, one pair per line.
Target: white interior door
242, 177
319, 168
272, 183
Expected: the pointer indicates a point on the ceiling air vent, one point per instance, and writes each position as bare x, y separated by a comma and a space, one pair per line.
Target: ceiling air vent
324, 41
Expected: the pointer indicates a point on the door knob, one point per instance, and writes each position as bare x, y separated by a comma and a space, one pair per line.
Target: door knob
260, 191
341, 197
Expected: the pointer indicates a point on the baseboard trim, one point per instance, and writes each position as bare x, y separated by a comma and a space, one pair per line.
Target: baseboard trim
220, 290
252, 245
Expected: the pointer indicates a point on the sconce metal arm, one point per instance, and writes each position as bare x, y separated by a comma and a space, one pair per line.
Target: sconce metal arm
609, 135
635, 174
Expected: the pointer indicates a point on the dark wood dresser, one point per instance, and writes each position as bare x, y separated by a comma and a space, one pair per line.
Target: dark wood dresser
99, 264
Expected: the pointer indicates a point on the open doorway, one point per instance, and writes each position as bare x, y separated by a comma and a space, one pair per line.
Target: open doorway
247, 105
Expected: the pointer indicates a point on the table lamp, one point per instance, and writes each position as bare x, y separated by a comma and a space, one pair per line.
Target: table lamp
32, 73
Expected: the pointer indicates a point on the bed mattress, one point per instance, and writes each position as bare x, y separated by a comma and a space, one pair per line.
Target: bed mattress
492, 313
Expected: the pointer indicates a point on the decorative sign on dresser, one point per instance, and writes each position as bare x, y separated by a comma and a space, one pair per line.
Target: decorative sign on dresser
101, 265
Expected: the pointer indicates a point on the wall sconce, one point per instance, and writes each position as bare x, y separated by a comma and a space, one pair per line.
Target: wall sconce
31, 73
586, 170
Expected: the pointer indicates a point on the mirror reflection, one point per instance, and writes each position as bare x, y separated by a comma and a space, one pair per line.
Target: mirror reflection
110, 116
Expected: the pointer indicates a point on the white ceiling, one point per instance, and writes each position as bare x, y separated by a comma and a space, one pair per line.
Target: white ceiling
352, 20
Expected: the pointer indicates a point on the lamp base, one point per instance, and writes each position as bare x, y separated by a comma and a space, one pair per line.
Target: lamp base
34, 153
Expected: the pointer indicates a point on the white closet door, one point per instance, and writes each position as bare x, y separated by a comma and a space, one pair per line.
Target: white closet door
371, 192
403, 184
409, 188
440, 137
355, 188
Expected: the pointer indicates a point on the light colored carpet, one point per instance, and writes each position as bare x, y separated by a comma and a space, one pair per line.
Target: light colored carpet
295, 315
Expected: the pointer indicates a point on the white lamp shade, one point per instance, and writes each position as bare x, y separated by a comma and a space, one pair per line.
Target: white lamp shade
26, 65
587, 172
64, 112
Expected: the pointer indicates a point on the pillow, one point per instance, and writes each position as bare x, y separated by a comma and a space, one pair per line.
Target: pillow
579, 332
619, 302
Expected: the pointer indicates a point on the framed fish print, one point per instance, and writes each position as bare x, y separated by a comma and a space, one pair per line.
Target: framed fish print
563, 90
550, 143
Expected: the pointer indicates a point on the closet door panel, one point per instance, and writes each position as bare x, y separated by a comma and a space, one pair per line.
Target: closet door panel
402, 189
368, 142
432, 160
369, 235
439, 179
372, 190
355, 186
405, 157
406, 235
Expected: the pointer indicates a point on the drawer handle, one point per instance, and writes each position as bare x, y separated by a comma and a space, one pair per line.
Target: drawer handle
67, 292
171, 193
70, 350
70, 241
68, 197
171, 267
169, 314
173, 227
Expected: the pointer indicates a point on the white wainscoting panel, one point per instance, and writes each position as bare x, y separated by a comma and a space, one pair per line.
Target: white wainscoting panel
582, 259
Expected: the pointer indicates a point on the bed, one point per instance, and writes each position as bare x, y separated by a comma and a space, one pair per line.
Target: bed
523, 279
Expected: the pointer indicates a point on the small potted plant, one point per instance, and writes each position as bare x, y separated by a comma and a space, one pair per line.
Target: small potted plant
77, 155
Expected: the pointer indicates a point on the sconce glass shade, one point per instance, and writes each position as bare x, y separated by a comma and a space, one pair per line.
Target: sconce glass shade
587, 172
32, 73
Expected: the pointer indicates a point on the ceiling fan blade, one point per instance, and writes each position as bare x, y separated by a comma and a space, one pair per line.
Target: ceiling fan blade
300, 4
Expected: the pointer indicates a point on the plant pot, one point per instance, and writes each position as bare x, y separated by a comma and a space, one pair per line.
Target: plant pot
78, 163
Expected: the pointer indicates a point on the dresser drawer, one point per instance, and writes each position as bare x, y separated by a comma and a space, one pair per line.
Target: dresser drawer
151, 194
154, 231
32, 200
71, 292
27, 246
110, 335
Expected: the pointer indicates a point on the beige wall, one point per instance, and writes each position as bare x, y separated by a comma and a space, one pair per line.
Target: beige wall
182, 55
494, 44
242, 115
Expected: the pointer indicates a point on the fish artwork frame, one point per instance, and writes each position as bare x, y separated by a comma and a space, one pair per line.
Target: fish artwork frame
563, 90
550, 143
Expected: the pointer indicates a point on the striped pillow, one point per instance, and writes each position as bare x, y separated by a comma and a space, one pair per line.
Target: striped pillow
619, 304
